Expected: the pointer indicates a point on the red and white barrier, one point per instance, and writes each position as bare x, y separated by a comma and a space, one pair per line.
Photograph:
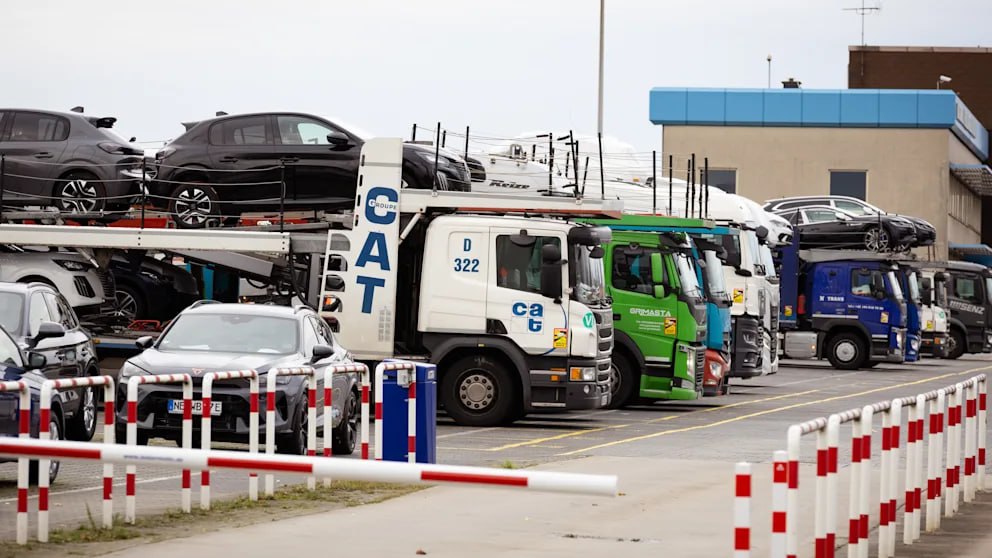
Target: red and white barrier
344, 469
407, 375
270, 417
132, 435
48, 388
742, 511
965, 399
23, 431
780, 496
206, 398
328, 411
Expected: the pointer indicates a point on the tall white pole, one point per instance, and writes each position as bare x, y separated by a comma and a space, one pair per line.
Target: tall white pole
602, 26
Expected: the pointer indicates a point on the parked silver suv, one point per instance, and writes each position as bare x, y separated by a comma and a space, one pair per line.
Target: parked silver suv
66, 160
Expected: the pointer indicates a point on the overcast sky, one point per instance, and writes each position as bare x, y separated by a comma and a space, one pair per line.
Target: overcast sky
501, 67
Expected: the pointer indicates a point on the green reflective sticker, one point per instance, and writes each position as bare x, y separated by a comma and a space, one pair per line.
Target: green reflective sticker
588, 320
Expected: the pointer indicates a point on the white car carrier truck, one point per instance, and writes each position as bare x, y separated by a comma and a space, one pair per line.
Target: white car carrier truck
502, 292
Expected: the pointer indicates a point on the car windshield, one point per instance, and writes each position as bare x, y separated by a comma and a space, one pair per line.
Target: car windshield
587, 272
687, 275
914, 287
896, 289
231, 333
713, 273
11, 311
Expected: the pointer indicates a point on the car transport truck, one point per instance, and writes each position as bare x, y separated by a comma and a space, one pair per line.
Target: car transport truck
970, 305
509, 303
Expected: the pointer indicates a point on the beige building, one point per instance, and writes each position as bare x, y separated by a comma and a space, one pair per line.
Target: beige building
910, 161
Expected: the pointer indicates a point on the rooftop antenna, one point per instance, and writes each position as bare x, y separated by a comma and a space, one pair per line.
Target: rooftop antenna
863, 11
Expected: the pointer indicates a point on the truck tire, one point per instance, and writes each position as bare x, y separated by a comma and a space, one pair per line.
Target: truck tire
958, 344
479, 390
847, 351
624, 381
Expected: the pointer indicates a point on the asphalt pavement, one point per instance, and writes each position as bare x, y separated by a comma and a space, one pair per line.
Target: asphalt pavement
674, 460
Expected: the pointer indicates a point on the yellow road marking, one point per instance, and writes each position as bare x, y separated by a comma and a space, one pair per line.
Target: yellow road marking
770, 411
555, 437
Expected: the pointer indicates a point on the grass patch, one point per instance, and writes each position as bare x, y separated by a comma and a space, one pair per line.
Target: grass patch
508, 465
295, 499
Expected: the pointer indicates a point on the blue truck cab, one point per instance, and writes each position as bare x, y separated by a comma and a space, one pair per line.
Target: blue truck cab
718, 302
843, 305
909, 279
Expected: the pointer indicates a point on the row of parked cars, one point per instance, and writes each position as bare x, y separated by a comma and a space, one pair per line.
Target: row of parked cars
216, 170
41, 338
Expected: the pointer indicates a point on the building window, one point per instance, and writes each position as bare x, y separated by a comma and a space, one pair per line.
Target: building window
724, 179
848, 183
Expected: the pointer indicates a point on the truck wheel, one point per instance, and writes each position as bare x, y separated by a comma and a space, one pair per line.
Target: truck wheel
624, 380
846, 351
957, 344
479, 391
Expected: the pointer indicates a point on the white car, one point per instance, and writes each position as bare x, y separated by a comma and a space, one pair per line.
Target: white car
84, 286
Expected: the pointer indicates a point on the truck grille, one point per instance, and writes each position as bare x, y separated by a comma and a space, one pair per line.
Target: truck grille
700, 369
604, 323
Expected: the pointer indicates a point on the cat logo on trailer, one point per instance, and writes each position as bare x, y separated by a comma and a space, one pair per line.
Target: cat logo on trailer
381, 209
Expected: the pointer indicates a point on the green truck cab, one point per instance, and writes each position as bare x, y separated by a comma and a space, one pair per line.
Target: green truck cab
659, 312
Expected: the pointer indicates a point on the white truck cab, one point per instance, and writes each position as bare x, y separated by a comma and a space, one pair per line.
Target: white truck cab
933, 314
510, 305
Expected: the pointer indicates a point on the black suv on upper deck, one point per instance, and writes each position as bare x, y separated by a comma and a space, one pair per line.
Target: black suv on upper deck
67, 160
224, 166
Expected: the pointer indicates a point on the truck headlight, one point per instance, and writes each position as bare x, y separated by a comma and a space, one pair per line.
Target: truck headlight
749, 337
690, 363
716, 370
582, 374
915, 344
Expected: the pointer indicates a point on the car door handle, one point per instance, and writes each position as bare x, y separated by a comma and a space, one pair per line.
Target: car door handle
289, 160
228, 159
43, 155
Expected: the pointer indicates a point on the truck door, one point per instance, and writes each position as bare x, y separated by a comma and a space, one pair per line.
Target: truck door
968, 304
536, 323
865, 304
636, 311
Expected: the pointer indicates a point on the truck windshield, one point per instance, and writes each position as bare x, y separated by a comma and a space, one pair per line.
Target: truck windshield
687, 276
768, 261
714, 274
896, 289
732, 244
751, 240
940, 290
914, 288
589, 284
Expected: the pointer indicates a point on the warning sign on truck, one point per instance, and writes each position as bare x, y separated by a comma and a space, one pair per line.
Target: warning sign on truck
671, 326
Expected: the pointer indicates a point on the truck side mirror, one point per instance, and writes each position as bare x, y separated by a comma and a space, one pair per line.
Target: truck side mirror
657, 270
551, 264
926, 295
761, 232
659, 291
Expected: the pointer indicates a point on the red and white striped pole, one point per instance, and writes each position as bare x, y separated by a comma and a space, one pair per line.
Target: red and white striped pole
411, 418
380, 371
864, 498
884, 485
270, 417
982, 427
833, 440
742, 511
934, 469
895, 410
854, 511
186, 380
328, 409
366, 424
23, 431
919, 473
206, 423
44, 433
970, 441
954, 450
910, 472
780, 497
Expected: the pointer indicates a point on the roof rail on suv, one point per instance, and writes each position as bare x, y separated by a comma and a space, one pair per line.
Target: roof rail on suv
204, 301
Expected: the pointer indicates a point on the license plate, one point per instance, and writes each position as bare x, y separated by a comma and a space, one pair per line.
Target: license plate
176, 407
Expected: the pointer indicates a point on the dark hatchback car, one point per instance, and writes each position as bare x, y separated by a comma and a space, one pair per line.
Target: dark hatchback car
210, 336
925, 233
821, 226
66, 160
151, 289
41, 322
16, 366
228, 165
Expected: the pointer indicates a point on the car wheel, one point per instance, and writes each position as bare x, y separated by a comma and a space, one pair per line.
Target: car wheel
194, 206
624, 380
846, 351
877, 239
82, 426
956, 344
55, 433
295, 443
479, 391
345, 435
80, 192
130, 303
